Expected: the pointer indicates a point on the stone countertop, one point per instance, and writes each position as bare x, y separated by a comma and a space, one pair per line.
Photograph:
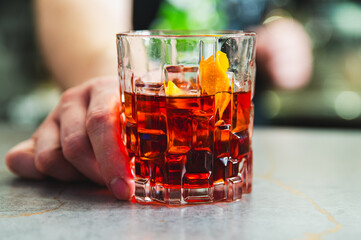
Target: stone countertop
306, 186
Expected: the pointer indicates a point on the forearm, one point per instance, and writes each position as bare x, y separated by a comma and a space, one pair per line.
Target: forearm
77, 37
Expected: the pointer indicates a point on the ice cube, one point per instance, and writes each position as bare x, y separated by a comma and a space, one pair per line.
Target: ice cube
239, 144
152, 143
199, 161
141, 166
184, 77
179, 130
191, 75
202, 131
230, 76
174, 169
150, 83
222, 139
241, 83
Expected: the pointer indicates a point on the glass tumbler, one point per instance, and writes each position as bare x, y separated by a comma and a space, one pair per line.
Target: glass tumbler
187, 114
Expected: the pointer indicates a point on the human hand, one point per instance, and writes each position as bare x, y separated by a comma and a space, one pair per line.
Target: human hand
284, 53
79, 139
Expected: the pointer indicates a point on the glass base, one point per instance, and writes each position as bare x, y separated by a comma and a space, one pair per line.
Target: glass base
229, 190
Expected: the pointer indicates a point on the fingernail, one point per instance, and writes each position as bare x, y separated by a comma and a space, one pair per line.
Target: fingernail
120, 188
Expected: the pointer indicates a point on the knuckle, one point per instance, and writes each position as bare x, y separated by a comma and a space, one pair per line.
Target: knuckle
103, 80
45, 161
69, 95
109, 85
74, 144
97, 119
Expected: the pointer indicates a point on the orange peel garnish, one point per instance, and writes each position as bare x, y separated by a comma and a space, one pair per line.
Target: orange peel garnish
172, 89
214, 80
222, 61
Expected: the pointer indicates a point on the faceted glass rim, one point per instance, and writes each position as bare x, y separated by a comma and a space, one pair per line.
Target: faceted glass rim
187, 34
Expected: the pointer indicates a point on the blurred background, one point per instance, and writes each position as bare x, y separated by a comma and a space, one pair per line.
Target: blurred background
331, 99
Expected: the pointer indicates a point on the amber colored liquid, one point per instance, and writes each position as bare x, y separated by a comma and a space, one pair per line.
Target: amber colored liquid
180, 142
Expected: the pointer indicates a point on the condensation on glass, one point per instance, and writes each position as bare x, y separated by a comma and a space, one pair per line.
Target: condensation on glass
189, 141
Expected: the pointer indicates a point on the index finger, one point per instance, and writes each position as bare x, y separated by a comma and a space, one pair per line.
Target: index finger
103, 127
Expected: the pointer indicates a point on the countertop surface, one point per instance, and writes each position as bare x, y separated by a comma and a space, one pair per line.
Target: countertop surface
306, 186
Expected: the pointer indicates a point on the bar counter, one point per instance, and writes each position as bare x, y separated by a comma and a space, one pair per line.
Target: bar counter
306, 185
